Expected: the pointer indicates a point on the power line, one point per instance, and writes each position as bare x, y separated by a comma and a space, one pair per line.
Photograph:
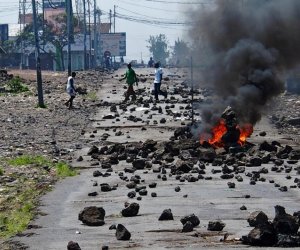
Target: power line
151, 17
178, 2
152, 8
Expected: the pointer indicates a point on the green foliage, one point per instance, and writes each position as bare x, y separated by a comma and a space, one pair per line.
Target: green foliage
28, 160
21, 212
64, 170
1, 171
91, 96
15, 85
181, 53
158, 47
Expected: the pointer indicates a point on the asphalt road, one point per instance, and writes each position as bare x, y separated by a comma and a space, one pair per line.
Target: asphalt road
208, 199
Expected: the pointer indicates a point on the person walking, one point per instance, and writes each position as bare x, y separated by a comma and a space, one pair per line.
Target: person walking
71, 90
131, 78
157, 81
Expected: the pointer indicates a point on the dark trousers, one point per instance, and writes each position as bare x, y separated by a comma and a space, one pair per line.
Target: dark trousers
157, 91
70, 102
130, 91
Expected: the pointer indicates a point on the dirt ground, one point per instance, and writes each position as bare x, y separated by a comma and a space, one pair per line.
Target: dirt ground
63, 134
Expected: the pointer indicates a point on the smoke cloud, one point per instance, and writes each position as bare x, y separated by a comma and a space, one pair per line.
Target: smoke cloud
246, 47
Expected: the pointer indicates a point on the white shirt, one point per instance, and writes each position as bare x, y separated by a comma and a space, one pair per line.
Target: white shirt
158, 73
70, 86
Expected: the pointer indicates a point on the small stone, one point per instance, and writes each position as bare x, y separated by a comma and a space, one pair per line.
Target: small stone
243, 207
166, 215
177, 189
97, 173
153, 194
215, 225
93, 194
231, 184
187, 227
73, 246
131, 210
192, 218
122, 233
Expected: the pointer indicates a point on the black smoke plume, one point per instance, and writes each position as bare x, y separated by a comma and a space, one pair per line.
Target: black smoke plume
247, 47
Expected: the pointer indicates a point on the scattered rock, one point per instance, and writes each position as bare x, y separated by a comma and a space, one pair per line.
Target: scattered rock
166, 215
122, 233
73, 246
92, 216
215, 225
131, 210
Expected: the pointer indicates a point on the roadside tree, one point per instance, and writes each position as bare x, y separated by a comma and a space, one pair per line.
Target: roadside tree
158, 47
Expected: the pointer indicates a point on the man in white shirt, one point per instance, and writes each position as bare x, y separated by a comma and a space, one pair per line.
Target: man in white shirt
157, 81
71, 90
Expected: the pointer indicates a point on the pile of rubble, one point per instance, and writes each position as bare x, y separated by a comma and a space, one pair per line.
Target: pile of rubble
281, 232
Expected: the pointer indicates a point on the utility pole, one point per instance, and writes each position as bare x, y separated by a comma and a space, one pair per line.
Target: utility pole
69, 24
192, 89
114, 18
99, 38
84, 35
95, 35
90, 33
22, 25
37, 58
110, 21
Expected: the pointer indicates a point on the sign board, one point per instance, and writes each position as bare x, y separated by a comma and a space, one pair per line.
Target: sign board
57, 4
113, 43
3, 32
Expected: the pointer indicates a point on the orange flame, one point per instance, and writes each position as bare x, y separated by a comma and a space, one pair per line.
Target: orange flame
215, 138
246, 131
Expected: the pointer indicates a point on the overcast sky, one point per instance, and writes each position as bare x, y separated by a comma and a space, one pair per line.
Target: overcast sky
169, 11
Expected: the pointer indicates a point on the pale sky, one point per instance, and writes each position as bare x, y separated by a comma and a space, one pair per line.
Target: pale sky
170, 11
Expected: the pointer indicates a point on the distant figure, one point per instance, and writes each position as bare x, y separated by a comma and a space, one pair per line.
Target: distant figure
131, 78
107, 62
157, 81
151, 63
71, 90
122, 59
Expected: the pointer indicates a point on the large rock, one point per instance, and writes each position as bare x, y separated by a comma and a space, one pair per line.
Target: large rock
207, 154
183, 166
92, 216
192, 218
257, 218
93, 150
288, 240
166, 215
263, 235
215, 225
122, 233
131, 210
139, 164
285, 223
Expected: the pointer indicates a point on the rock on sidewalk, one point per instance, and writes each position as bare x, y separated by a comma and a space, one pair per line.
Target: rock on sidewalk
122, 233
73, 246
92, 216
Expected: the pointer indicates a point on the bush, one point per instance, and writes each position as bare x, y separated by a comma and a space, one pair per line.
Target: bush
15, 85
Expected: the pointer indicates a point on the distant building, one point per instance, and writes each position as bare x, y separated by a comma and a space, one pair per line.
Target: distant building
53, 9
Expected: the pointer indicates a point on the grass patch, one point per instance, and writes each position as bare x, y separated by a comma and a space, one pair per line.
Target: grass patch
64, 170
15, 85
28, 160
1, 171
91, 96
18, 206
